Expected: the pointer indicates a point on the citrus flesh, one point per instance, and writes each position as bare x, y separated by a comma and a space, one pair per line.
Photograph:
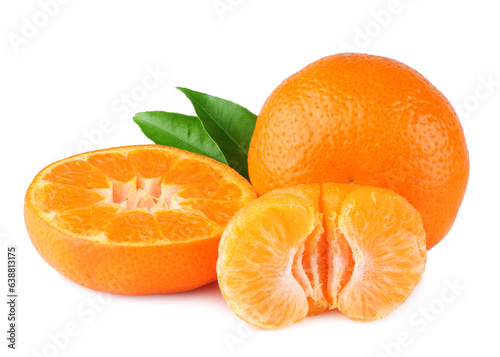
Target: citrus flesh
302, 250
134, 220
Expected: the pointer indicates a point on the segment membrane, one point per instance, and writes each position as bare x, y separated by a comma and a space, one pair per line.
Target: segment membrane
311, 269
341, 262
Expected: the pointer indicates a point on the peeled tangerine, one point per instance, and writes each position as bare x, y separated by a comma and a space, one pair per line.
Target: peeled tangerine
302, 250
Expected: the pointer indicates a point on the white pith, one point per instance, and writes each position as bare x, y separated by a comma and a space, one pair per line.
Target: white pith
148, 193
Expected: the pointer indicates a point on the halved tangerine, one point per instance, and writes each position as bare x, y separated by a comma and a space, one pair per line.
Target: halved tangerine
134, 220
301, 250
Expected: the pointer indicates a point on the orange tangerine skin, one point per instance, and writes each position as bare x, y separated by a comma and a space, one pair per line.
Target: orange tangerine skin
138, 268
142, 270
367, 120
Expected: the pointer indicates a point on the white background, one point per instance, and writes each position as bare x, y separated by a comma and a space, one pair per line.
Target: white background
72, 74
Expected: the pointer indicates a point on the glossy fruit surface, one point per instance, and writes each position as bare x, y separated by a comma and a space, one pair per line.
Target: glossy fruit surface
367, 120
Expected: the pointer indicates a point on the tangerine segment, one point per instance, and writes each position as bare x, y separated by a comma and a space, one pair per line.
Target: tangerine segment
115, 165
289, 254
78, 173
311, 269
340, 254
175, 224
151, 163
55, 197
388, 241
134, 226
311, 265
87, 221
256, 255
211, 189
185, 170
111, 220
217, 211
192, 179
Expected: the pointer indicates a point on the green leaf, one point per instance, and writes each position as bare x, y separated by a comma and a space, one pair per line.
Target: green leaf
229, 124
180, 131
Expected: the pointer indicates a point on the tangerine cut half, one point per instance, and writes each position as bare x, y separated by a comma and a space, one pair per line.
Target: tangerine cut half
134, 220
302, 250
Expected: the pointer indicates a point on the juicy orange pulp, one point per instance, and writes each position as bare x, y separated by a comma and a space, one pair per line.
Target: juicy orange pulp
134, 220
302, 250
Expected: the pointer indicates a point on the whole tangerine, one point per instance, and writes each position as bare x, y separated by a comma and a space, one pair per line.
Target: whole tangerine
367, 120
